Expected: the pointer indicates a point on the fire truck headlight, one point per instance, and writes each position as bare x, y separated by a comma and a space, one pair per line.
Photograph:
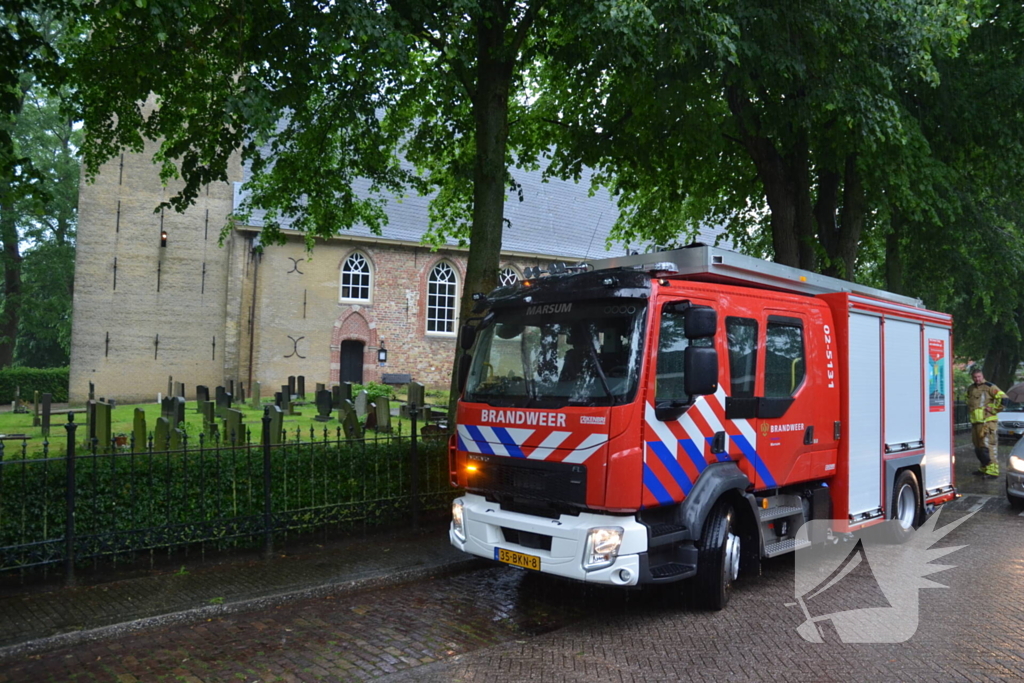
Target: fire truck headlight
602, 547
457, 525
1016, 463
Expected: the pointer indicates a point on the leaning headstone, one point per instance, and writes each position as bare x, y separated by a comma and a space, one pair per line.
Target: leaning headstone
102, 430
291, 386
300, 389
202, 396
417, 393
45, 417
349, 421
233, 426
360, 403
276, 423
161, 434
223, 401
255, 398
383, 414
139, 430
323, 406
371, 416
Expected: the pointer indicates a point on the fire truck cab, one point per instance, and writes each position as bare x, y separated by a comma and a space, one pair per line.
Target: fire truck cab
678, 415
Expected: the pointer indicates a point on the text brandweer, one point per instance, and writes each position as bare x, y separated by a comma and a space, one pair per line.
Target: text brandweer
519, 417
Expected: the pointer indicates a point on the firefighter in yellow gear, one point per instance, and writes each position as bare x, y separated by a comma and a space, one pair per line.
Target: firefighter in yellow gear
984, 401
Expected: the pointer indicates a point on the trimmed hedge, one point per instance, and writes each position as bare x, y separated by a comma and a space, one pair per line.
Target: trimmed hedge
43, 380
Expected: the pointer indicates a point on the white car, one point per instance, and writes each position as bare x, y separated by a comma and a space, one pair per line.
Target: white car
1015, 476
1011, 420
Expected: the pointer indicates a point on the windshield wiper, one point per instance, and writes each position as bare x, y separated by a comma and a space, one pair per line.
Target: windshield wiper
600, 370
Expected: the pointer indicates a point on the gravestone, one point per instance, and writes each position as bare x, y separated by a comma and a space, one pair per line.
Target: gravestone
291, 386
231, 387
336, 397
323, 406
233, 429
223, 401
286, 397
278, 398
403, 411
360, 403
170, 385
161, 434
177, 439
92, 391
320, 386
371, 417
139, 430
241, 392
301, 388
276, 423
255, 398
348, 391
102, 429
35, 408
417, 393
202, 396
90, 418
172, 409
45, 417
383, 414
209, 411
349, 421
179, 389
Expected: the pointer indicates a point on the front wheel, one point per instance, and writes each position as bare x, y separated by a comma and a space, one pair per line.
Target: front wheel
1016, 502
905, 512
718, 560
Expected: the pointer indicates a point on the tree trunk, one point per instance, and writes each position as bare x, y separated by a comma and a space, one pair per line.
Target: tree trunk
1001, 361
840, 239
11, 258
894, 256
490, 113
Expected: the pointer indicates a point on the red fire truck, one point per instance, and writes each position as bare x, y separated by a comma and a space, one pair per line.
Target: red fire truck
677, 415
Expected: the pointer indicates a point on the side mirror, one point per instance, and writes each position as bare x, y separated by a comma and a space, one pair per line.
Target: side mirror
700, 370
464, 364
700, 322
467, 337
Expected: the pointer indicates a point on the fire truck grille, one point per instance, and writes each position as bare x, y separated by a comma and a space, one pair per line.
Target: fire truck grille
532, 479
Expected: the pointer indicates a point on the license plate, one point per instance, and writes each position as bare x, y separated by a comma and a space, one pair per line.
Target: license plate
518, 559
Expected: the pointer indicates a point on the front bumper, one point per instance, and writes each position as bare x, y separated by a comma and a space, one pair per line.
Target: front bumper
483, 522
1015, 483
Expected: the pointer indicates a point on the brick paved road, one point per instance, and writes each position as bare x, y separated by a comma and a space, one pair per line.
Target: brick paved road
504, 625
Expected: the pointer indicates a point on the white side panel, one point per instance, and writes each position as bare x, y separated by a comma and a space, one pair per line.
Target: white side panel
939, 392
903, 382
864, 432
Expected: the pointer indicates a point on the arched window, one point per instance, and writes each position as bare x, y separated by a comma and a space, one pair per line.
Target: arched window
355, 278
441, 299
508, 276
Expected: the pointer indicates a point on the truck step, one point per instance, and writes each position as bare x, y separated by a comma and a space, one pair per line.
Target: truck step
782, 547
768, 514
666, 534
665, 571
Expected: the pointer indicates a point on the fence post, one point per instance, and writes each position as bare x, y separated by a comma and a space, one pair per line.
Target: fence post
414, 467
69, 495
268, 530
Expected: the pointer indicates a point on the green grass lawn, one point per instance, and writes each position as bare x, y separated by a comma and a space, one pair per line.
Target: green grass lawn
123, 415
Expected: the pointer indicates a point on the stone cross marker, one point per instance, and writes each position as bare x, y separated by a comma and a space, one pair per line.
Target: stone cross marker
139, 430
361, 403
323, 406
255, 398
383, 414
45, 417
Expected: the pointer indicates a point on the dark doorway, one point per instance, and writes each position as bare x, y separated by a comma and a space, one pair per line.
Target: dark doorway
352, 361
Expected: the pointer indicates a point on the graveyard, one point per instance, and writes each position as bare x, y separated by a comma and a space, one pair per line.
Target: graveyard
218, 416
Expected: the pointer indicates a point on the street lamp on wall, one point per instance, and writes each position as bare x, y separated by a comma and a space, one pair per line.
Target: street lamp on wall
382, 353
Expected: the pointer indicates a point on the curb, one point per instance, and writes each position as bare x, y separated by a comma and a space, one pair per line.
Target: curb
195, 614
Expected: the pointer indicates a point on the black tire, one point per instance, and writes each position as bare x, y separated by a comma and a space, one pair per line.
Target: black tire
905, 512
718, 558
1015, 502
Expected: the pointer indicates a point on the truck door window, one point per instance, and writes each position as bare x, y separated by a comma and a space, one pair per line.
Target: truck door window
742, 337
672, 343
784, 363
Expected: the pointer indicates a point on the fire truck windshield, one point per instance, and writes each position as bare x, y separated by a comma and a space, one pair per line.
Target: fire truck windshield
557, 354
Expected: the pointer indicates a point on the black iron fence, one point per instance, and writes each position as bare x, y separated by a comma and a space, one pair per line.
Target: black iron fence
961, 419
119, 501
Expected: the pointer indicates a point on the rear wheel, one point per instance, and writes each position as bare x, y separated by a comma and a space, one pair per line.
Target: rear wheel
905, 512
718, 560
